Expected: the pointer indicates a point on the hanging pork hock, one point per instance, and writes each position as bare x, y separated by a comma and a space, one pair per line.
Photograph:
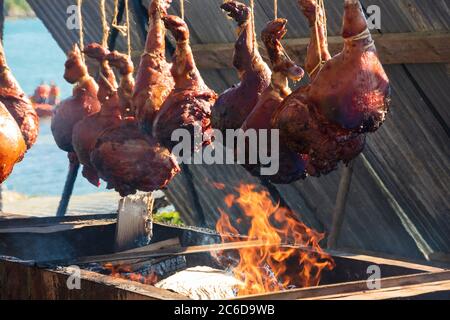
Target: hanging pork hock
82, 103
86, 131
154, 81
17, 103
129, 160
125, 157
12, 143
189, 104
234, 105
291, 164
352, 89
303, 126
122, 62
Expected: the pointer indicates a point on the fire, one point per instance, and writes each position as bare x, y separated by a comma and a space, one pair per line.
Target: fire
269, 268
126, 272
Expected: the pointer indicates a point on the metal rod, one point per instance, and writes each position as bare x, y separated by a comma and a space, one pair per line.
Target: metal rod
68, 188
339, 208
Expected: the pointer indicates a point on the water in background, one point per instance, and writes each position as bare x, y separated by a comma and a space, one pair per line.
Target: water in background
34, 57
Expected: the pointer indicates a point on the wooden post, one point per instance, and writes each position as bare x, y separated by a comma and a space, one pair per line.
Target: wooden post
68, 188
339, 208
134, 221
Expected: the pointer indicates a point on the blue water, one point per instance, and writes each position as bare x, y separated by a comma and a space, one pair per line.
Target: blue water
34, 56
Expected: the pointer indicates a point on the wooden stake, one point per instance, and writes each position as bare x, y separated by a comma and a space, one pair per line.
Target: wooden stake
134, 221
68, 188
339, 208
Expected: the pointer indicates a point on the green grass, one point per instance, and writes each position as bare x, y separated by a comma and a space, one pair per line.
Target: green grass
170, 217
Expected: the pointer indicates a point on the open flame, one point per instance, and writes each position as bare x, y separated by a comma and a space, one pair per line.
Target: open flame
266, 268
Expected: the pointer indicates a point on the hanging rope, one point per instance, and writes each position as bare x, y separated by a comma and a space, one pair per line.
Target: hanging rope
80, 22
252, 8
182, 9
114, 24
362, 36
125, 30
317, 24
127, 18
275, 9
275, 13
105, 27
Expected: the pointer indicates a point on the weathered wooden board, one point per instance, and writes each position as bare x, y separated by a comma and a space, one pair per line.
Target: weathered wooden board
20, 281
356, 286
134, 221
439, 290
393, 48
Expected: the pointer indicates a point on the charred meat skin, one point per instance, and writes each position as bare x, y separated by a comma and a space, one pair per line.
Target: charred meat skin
129, 160
189, 104
82, 103
234, 105
17, 103
12, 143
154, 80
86, 131
292, 165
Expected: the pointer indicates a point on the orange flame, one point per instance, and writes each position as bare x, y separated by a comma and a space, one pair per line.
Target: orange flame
126, 272
273, 267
